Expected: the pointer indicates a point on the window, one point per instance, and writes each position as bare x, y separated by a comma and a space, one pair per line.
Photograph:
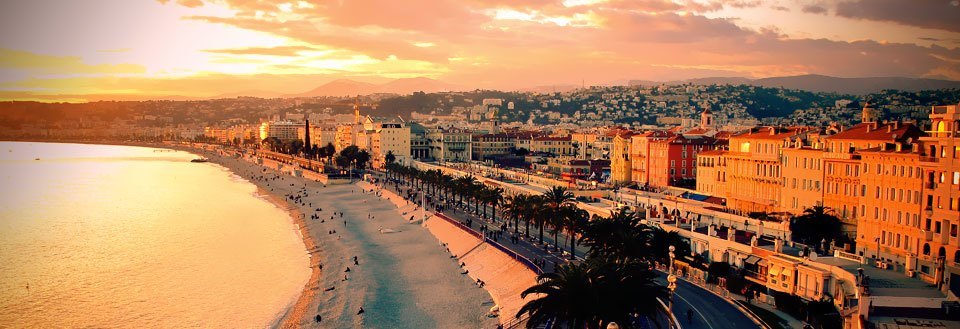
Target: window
937, 227
926, 252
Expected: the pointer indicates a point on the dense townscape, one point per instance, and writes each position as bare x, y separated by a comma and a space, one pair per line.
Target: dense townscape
832, 209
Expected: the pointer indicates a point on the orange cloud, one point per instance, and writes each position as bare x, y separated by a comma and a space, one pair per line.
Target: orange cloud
36, 64
267, 51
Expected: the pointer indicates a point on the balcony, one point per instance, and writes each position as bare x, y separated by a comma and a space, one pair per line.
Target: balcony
927, 235
841, 156
930, 185
930, 159
754, 276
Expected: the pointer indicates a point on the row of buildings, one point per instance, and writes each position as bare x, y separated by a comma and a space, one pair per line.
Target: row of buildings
894, 185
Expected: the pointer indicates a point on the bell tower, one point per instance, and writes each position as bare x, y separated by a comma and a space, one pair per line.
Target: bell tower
356, 110
869, 113
706, 119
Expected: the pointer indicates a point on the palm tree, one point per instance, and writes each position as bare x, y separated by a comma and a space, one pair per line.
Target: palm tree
620, 236
816, 224
662, 240
390, 158
495, 198
531, 213
513, 206
574, 220
446, 181
556, 222
553, 200
569, 294
594, 293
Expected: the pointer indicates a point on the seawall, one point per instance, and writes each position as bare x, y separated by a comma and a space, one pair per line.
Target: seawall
504, 276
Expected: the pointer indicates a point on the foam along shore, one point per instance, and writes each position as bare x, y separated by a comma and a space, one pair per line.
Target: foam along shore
403, 279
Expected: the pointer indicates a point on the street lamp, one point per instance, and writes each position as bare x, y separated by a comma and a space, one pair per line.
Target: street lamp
671, 280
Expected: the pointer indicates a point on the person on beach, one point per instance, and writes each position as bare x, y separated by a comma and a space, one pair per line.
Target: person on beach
360, 311
318, 318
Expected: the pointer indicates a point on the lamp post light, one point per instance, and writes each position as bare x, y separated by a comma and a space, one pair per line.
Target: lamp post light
671, 280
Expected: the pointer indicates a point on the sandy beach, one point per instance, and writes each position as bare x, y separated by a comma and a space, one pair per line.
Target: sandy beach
402, 277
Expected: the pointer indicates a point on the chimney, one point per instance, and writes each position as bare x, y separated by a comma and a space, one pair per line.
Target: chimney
869, 126
778, 245
915, 147
773, 131
889, 128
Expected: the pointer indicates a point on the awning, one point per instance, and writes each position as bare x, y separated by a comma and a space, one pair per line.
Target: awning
752, 260
775, 271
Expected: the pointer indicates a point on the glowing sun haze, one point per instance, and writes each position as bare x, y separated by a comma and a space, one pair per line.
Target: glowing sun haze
204, 48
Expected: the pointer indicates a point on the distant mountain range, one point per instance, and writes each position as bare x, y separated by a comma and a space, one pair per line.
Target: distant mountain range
347, 87
822, 83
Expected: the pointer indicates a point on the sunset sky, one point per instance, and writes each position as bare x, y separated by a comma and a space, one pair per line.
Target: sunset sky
201, 48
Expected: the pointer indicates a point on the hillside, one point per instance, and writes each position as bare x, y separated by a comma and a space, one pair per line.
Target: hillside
821, 83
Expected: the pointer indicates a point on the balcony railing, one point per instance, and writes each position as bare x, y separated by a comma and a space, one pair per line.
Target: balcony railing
929, 159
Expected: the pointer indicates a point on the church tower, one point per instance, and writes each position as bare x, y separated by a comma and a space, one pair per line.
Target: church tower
356, 110
869, 113
706, 119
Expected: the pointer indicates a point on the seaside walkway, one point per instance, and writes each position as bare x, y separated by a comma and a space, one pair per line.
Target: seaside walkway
710, 311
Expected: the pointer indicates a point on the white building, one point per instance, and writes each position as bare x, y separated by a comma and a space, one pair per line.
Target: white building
282, 130
391, 138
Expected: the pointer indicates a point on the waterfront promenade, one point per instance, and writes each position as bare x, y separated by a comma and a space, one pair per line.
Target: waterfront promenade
403, 278
709, 310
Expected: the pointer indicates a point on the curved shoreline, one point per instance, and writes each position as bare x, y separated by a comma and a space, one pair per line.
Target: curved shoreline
426, 291
293, 314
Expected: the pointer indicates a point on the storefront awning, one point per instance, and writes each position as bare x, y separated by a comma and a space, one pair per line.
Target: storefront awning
775, 271
752, 260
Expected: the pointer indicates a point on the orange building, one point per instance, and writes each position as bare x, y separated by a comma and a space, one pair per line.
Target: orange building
620, 160
842, 169
910, 201
753, 168
712, 173
672, 160
939, 253
890, 205
802, 177
640, 154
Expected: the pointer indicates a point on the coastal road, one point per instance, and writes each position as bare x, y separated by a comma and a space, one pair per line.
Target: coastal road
709, 310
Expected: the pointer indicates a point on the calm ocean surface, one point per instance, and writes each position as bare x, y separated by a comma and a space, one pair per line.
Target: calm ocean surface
112, 236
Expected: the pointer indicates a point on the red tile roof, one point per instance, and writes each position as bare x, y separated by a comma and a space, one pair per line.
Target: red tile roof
877, 131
